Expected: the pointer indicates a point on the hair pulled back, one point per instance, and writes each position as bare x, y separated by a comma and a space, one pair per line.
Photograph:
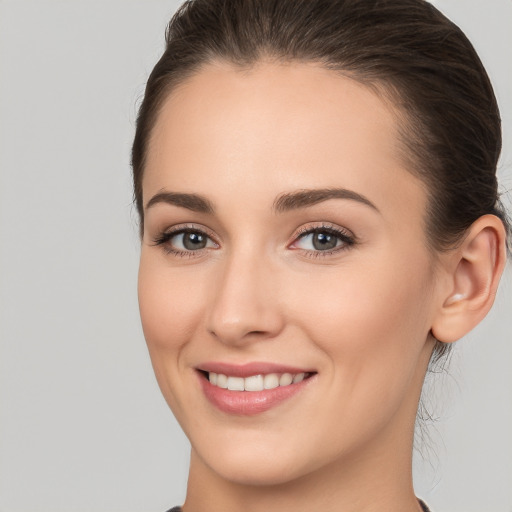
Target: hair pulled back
450, 125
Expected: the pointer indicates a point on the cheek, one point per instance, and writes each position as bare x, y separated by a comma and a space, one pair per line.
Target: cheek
373, 318
371, 324
170, 305
171, 309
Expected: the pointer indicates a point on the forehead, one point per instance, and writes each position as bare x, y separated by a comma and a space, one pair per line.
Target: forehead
278, 126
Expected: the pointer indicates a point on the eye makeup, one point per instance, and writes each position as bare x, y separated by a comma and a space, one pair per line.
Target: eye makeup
321, 240
191, 240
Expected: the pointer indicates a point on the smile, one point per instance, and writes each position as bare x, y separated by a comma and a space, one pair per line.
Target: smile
255, 382
253, 388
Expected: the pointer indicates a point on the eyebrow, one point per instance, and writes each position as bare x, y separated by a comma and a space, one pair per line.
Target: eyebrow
309, 197
193, 202
283, 203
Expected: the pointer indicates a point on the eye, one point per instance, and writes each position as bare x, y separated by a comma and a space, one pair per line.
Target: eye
326, 239
185, 241
189, 241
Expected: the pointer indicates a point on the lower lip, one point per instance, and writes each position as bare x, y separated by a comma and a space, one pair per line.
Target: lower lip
249, 403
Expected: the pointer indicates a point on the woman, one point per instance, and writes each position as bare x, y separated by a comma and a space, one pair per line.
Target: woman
320, 221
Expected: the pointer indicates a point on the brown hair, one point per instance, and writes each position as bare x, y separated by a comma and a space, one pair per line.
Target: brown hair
449, 119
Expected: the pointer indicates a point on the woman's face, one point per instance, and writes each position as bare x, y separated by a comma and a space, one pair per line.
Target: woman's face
283, 235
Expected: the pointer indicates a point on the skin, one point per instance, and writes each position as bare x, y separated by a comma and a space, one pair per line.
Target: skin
359, 316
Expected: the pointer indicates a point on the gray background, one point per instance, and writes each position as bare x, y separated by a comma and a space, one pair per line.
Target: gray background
82, 424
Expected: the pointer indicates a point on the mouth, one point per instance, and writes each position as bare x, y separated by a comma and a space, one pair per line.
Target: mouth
253, 388
254, 383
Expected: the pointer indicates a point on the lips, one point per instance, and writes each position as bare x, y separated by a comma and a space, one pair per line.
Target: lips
251, 388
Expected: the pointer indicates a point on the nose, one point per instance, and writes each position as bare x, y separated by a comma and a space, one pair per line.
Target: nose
244, 305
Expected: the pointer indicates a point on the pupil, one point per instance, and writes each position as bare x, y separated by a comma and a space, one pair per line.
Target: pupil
193, 241
324, 241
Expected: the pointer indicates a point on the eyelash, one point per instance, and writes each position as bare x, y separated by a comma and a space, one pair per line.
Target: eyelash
164, 237
347, 239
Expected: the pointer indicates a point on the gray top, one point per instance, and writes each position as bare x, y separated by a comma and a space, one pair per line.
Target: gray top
423, 506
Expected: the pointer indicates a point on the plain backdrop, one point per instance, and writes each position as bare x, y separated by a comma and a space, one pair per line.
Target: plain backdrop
83, 426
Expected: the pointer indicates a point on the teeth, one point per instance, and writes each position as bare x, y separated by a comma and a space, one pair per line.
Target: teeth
236, 383
222, 381
271, 381
286, 379
254, 382
297, 378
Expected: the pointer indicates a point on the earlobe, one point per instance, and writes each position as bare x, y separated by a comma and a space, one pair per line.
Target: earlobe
474, 270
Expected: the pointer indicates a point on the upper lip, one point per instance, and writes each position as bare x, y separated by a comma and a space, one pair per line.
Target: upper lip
248, 369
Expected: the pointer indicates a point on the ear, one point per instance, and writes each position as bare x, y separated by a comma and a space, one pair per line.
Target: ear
473, 272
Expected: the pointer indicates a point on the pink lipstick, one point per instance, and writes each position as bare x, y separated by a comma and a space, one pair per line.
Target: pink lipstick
251, 388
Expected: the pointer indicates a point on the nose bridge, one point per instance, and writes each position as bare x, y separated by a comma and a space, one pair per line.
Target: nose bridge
244, 303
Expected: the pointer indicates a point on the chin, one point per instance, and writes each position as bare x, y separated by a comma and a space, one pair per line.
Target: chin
264, 473
257, 465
